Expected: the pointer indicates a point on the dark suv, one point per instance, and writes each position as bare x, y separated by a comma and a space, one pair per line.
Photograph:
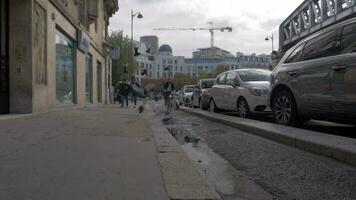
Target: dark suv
316, 79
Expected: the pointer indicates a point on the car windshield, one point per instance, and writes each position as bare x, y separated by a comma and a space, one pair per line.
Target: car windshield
189, 89
207, 83
254, 75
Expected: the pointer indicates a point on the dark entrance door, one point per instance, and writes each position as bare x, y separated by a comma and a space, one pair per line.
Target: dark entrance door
4, 58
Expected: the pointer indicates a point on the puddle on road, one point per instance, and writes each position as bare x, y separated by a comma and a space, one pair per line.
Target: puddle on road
227, 181
169, 121
209, 164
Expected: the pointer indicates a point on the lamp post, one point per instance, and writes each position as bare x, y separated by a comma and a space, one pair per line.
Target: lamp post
139, 16
272, 39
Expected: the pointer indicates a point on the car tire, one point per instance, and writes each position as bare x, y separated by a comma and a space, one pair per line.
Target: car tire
212, 106
285, 109
243, 109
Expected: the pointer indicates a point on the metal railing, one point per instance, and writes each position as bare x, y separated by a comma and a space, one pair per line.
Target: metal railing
311, 16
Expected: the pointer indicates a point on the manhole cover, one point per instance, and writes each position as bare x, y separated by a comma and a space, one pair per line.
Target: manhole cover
216, 132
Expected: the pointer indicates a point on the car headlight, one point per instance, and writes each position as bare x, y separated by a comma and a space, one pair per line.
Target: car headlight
258, 91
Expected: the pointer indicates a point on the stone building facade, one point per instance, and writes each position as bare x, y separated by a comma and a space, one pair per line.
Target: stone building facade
56, 53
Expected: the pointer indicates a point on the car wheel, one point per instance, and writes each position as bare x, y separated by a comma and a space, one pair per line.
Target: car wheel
212, 106
243, 108
285, 108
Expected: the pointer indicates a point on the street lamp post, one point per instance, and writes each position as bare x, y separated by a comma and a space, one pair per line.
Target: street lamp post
272, 39
139, 16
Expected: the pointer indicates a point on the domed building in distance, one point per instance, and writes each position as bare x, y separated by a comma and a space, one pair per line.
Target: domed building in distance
157, 61
166, 50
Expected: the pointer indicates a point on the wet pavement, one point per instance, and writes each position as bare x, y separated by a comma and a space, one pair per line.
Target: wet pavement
226, 156
230, 183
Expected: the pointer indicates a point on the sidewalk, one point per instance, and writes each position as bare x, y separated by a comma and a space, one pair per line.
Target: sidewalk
91, 153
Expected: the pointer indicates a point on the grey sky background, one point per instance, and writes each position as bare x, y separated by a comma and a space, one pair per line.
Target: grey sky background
251, 20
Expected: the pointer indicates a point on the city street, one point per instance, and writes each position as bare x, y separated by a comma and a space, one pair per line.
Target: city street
203, 100
282, 171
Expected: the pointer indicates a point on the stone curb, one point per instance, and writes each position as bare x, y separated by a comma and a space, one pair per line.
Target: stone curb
182, 180
339, 148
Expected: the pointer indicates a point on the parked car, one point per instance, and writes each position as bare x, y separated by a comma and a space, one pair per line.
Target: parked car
185, 95
243, 90
201, 95
316, 79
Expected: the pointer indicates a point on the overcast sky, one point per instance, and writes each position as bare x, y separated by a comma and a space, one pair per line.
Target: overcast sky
251, 20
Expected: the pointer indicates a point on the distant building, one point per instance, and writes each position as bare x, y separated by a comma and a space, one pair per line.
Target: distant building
163, 63
207, 60
254, 61
212, 52
167, 65
156, 65
144, 62
151, 42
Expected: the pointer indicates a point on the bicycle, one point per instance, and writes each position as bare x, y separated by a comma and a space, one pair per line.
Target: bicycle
170, 103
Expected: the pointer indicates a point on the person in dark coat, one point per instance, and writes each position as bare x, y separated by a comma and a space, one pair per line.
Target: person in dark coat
125, 90
117, 96
168, 89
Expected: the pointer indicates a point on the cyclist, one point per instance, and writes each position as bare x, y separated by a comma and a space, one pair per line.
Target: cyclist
168, 89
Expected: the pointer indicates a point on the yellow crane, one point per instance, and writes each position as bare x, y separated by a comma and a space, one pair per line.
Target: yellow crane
212, 29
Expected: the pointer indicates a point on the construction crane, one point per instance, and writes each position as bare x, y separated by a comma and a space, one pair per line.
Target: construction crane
212, 29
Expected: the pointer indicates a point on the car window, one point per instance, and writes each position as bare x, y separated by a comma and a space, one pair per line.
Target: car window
254, 75
321, 46
230, 78
207, 84
221, 79
295, 56
189, 89
348, 44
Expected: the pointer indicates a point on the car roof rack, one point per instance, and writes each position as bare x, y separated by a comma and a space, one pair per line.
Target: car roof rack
312, 16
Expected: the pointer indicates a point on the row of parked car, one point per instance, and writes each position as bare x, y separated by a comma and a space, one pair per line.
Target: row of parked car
315, 79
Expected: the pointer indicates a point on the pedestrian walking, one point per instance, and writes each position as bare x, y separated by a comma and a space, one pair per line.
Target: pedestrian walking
125, 90
134, 87
117, 93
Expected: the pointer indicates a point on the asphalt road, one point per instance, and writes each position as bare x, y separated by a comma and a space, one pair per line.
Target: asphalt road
283, 171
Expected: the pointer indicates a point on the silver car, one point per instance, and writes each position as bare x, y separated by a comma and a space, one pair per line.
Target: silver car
316, 79
185, 95
201, 94
244, 90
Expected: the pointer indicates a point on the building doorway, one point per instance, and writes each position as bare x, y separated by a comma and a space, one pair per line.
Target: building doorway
88, 78
99, 81
4, 57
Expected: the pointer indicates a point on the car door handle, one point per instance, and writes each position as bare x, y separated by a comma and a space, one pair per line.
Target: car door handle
292, 73
339, 68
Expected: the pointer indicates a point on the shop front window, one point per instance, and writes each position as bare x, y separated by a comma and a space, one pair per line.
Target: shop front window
65, 52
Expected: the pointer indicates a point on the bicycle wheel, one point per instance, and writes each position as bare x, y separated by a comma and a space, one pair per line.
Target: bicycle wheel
169, 107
